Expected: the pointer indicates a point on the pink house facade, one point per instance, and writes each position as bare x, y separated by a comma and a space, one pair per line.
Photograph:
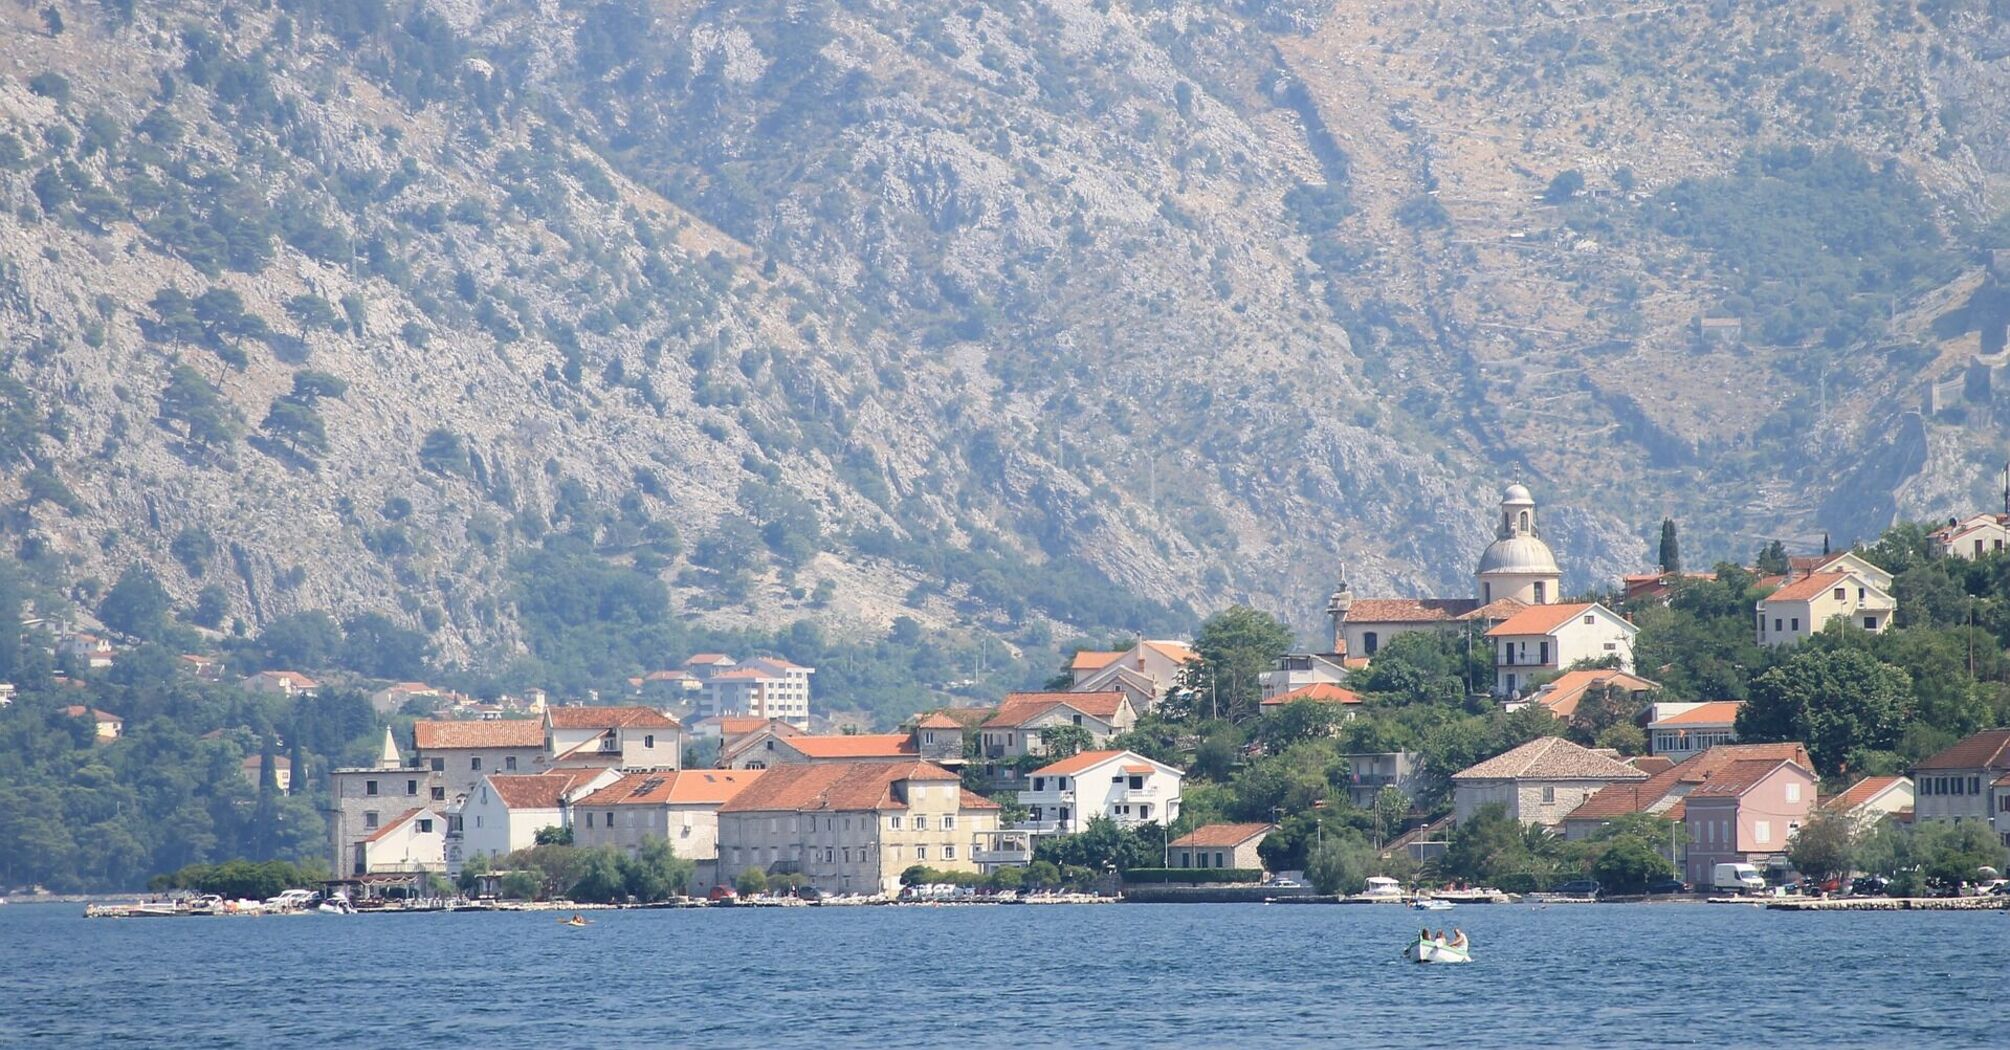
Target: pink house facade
1745, 813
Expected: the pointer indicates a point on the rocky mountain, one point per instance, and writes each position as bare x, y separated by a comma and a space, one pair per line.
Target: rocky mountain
1079, 315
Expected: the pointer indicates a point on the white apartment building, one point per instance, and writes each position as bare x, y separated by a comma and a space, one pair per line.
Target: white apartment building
1123, 786
1542, 640
1804, 606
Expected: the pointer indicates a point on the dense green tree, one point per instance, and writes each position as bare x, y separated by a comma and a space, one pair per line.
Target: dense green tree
1824, 847
1953, 852
1773, 560
1236, 646
137, 604
193, 547
210, 421
1628, 865
1841, 702
298, 425
1340, 864
1301, 719
1063, 741
751, 883
310, 386
1671, 547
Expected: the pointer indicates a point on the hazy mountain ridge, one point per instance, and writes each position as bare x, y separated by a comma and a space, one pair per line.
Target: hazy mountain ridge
1041, 281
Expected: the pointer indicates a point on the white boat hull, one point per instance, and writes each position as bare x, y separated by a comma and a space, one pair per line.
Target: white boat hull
1431, 951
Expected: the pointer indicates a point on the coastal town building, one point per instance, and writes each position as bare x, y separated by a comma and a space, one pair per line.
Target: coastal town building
1539, 782
938, 738
1665, 791
104, 724
853, 827
1142, 673
1966, 781
1369, 772
1801, 607
394, 697
1220, 846
364, 801
1296, 671
413, 840
1561, 696
202, 668
765, 687
1318, 693
1678, 730
1873, 799
681, 808
1516, 570
1973, 537
1017, 728
1542, 640
633, 737
1123, 786
768, 749
281, 683
505, 811
1746, 812
463, 752
253, 768
87, 651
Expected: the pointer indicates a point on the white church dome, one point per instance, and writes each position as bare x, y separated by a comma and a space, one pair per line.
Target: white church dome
1519, 554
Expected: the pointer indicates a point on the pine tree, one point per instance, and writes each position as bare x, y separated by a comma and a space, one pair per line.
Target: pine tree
1671, 548
265, 829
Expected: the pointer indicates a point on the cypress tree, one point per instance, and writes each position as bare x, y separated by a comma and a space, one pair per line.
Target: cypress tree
1671, 548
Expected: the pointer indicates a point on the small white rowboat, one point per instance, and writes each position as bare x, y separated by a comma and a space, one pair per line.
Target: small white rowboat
1432, 950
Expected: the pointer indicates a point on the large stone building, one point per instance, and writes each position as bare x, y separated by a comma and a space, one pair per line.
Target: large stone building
853, 827
1540, 782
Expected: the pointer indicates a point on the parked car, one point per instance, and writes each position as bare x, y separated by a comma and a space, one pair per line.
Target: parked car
1869, 886
2002, 890
1668, 886
1579, 888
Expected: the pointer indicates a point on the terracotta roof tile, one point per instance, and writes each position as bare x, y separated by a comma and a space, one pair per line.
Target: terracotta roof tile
1540, 619
1621, 799
820, 786
858, 745
1409, 610
1808, 587
1989, 749
1550, 758
1177, 652
1020, 708
1652, 764
1223, 836
1715, 712
1860, 792
1086, 760
1563, 693
1498, 609
1091, 660
610, 718
938, 720
1317, 692
508, 732
1737, 778
538, 790
685, 788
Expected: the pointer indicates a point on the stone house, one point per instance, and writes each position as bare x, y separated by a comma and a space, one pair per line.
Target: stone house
1219, 846
1539, 782
681, 808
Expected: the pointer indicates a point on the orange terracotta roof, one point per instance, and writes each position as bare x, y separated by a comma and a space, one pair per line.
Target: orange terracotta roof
1409, 610
1859, 793
1989, 749
279, 762
1566, 691
1317, 692
737, 725
538, 790
708, 658
394, 824
1651, 764
1621, 799
819, 786
1091, 660
1177, 652
1540, 619
938, 720
1737, 778
1083, 760
685, 788
79, 710
1713, 713
508, 732
1020, 708
1498, 609
1223, 836
1141, 769
1808, 587
857, 745
610, 718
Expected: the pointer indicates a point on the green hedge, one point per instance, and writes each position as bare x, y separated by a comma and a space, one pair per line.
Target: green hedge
1194, 876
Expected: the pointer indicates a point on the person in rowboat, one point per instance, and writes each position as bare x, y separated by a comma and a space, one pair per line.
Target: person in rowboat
1458, 938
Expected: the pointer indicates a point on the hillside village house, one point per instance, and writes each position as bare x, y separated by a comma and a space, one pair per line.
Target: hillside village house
1802, 607
681, 808
505, 811
1678, 730
282, 771
1544, 639
1965, 781
1539, 782
87, 651
768, 749
1872, 799
106, 725
766, 687
393, 698
1124, 786
853, 827
1369, 772
1298, 671
1562, 695
1016, 728
1972, 537
624, 737
1666, 791
1746, 813
1220, 846
1319, 693
281, 683
464, 752
1517, 569
938, 738
1142, 673
362, 800
202, 668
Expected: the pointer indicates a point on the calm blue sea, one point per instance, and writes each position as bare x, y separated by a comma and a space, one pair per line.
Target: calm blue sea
1112, 975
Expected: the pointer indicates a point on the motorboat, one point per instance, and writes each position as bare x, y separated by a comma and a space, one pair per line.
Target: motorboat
1431, 904
1381, 888
336, 905
1429, 949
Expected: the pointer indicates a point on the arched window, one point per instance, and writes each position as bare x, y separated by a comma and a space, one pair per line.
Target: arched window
1370, 642
1524, 521
1540, 590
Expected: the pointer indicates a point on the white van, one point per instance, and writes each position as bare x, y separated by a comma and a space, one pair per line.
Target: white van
1738, 878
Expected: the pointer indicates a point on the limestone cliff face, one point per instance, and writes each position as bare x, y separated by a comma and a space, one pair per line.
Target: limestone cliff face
1120, 286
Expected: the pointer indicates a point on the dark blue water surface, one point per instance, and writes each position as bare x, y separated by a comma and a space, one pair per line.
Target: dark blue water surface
1108, 975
